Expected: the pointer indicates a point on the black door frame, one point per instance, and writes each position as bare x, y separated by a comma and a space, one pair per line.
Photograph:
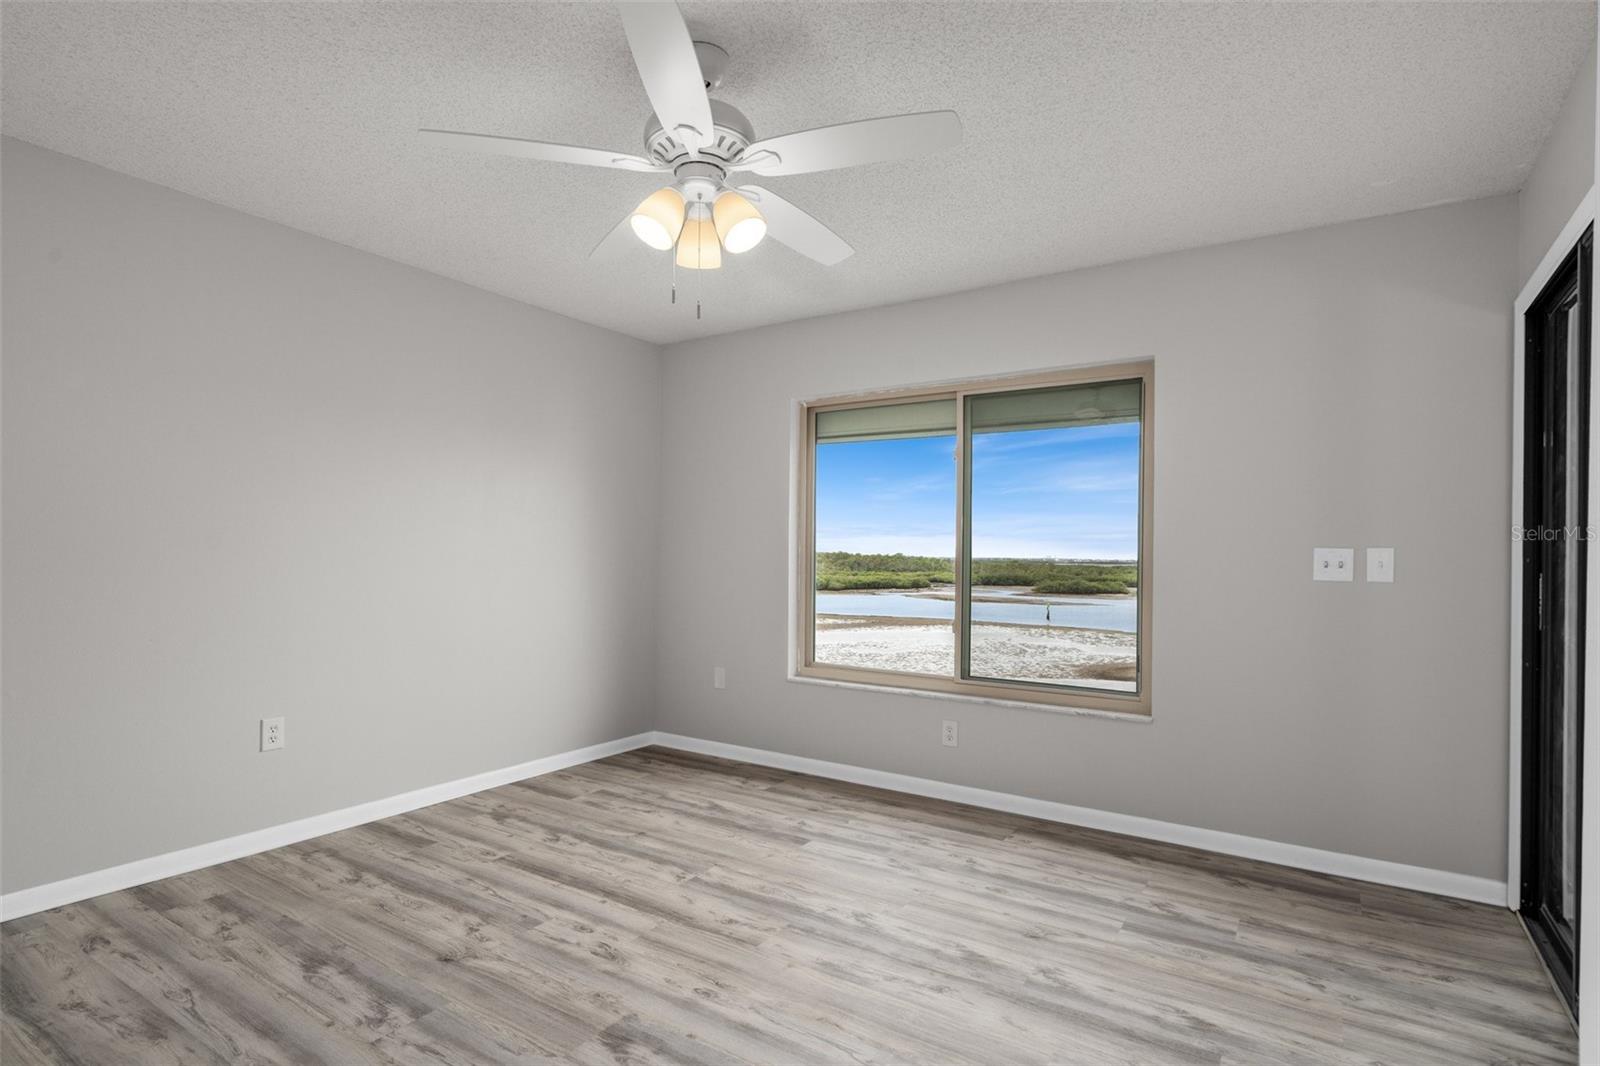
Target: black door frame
1542, 662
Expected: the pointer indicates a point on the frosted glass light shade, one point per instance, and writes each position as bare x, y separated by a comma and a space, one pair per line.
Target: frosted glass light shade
697, 245
658, 220
739, 224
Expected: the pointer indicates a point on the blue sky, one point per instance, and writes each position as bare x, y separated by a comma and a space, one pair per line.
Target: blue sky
1067, 493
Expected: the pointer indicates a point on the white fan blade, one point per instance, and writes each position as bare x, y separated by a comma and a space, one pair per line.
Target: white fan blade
554, 153
613, 236
850, 144
789, 225
664, 53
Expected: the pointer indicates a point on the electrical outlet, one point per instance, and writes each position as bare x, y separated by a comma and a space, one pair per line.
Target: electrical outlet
271, 734
948, 734
719, 677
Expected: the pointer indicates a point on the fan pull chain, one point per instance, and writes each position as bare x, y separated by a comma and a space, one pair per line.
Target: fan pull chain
675, 272
700, 261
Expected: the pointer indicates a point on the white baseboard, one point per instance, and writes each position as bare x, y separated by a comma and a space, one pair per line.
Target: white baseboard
143, 871
1377, 871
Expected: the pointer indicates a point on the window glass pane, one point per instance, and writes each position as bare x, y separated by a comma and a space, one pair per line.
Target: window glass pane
885, 506
1054, 535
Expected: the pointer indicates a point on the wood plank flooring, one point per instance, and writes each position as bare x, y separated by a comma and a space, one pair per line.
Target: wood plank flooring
658, 906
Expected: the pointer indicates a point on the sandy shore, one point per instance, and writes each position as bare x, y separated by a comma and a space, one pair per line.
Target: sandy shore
1101, 658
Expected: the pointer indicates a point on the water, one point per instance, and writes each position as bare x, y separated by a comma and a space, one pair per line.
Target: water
1120, 613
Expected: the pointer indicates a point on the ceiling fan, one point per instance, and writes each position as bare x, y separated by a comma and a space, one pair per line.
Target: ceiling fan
701, 141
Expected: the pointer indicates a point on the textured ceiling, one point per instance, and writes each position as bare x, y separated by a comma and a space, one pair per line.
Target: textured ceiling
1094, 132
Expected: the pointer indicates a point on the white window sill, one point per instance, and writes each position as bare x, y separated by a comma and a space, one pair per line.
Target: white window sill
960, 697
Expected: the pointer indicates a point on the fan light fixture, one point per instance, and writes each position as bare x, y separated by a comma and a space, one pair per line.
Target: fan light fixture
739, 224
697, 245
700, 231
659, 219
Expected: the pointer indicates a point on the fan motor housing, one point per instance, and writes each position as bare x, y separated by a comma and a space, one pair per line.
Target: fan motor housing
700, 181
732, 134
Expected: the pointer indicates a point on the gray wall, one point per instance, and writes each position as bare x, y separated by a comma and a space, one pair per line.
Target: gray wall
1346, 386
249, 472
1560, 176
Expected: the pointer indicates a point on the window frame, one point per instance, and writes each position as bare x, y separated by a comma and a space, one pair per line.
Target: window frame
1040, 694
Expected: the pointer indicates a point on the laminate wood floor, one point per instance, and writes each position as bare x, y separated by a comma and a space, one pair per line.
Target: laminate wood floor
659, 906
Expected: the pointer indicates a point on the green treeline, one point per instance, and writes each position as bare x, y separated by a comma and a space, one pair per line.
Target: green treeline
842, 571
869, 580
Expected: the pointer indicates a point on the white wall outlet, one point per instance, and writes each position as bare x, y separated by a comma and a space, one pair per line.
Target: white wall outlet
1380, 564
719, 677
1333, 564
271, 734
947, 735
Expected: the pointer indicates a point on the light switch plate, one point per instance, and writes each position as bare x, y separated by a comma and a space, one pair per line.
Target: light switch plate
1380, 564
1333, 564
719, 677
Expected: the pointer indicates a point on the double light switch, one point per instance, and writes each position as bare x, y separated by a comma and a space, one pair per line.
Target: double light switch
1339, 564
